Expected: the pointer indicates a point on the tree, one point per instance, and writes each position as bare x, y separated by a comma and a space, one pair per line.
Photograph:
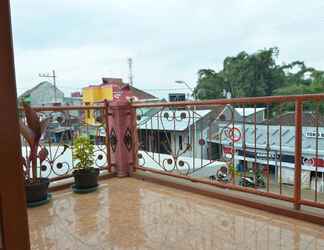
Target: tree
243, 75
210, 86
304, 81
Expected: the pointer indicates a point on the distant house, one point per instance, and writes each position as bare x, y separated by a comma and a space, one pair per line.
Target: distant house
43, 94
118, 86
171, 131
76, 94
72, 101
62, 124
110, 89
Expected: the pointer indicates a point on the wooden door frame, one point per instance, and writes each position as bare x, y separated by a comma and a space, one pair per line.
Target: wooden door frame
13, 202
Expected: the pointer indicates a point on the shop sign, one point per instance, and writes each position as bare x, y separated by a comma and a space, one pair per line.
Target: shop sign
273, 155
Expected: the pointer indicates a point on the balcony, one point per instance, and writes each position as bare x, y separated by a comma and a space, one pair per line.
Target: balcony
175, 197
190, 168
129, 213
223, 174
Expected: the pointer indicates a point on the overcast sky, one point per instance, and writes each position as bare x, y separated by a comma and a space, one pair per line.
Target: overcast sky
84, 40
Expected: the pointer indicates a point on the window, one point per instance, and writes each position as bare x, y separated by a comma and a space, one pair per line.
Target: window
180, 142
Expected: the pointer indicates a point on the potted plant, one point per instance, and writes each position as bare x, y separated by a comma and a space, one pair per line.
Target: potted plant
36, 187
85, 175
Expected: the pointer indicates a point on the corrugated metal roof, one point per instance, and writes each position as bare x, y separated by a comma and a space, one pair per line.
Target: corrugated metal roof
170, 120
287, 138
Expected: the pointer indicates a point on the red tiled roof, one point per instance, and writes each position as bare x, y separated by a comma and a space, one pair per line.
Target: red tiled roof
118, 83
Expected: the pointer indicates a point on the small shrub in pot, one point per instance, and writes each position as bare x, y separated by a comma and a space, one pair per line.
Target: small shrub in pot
85, 175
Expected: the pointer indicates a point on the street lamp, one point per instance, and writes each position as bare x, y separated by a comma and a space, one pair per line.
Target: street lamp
188, 86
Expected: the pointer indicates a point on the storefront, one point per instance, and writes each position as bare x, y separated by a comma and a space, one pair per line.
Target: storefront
271, 162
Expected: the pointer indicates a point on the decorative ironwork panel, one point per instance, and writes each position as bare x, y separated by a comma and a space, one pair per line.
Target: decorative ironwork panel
128, 141
113, 140
55, 154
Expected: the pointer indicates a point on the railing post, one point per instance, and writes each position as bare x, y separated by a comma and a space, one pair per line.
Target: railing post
107, 141
298, 152
135, 138
121, 137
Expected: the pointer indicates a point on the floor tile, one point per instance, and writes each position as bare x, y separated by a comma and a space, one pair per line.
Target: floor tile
132, 214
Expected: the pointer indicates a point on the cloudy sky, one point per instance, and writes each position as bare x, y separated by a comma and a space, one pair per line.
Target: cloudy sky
84, 40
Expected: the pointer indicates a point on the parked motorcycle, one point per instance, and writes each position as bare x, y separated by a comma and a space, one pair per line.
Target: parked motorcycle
221, 175
250, 181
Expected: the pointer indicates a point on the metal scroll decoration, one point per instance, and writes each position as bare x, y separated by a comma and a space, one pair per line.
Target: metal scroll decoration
230, 132
56, 145
175, 158
55, 164
182, 160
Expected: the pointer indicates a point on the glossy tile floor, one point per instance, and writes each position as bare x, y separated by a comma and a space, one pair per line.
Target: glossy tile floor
133, 214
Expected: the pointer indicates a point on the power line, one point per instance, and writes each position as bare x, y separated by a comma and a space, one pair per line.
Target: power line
54, 81
130, 68
79, 88
69, 88
168, 90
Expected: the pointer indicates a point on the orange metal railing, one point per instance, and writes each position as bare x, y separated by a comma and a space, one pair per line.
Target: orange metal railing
153, 130
230, 137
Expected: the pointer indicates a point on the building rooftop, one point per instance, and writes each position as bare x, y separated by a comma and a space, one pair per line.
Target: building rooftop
169, 120
248, 111
138, 93
288, 119
134, 214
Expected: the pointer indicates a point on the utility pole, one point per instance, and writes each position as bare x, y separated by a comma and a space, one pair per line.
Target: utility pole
47, 75
130, 68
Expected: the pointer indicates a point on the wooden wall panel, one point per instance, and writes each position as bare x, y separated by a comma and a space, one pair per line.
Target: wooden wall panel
13, 202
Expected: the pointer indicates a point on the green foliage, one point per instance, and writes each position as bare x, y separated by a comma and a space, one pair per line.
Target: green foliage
242, 75
258, 74
83, 152
232, 170
211, 85
301, 85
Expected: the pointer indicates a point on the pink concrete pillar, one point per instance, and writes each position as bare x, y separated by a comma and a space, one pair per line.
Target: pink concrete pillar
121, 132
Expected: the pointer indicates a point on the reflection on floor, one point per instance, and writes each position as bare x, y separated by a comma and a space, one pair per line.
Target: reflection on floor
132, 214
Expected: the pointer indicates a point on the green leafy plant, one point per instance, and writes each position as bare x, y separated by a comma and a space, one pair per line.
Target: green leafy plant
83, 152
232, 170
